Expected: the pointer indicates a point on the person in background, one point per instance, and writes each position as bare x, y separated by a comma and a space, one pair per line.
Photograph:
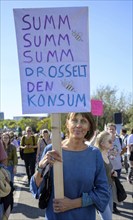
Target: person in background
85, 182
104, 143
28, 145
12, 155
3, 154
43, 141
13, 139
5, 188
124, 137
62, 136
130, 157
1, 135
115, 154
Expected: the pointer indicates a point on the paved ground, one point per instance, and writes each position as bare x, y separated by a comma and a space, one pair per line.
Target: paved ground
26, 207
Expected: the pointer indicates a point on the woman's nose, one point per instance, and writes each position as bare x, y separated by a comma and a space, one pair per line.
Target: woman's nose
78, 123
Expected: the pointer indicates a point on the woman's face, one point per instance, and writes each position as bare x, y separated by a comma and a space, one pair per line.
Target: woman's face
45, 134
107, 142
29, 131
5, 138
78, 126
112, 130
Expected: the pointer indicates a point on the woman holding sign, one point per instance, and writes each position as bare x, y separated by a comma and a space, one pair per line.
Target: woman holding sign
85, 181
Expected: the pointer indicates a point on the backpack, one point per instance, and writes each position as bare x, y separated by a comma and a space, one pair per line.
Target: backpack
6, 189
9, 200
4, 182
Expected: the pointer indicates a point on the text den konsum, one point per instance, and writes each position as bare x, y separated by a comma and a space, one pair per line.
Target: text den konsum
54, 100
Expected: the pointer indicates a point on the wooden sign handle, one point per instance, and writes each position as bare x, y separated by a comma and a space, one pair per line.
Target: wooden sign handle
58, 166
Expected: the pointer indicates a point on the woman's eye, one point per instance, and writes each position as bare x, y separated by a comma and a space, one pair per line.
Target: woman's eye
74, 120
83, 122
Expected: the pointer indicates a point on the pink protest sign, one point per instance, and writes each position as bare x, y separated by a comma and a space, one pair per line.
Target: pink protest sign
96, 107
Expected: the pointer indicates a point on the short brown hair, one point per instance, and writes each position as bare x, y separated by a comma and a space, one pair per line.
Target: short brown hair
90, 119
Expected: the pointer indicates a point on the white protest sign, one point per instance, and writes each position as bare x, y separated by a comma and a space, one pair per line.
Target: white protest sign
53, 56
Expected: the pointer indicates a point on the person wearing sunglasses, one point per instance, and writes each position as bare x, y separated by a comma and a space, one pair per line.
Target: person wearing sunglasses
28, 145
115, 154
104, 143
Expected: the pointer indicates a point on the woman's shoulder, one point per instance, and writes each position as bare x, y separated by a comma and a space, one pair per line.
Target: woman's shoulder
93, 148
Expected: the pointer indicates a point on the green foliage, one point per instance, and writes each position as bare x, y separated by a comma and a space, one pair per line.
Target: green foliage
1, 124
11, 124
24, 122
44, 123
129, 125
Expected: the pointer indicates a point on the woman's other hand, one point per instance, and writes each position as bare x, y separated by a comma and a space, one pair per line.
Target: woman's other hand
65, 204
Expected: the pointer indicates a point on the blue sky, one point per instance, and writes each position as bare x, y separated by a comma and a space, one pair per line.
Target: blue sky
110, 47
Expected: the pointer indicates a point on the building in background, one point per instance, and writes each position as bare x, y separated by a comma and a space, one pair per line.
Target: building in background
1, 115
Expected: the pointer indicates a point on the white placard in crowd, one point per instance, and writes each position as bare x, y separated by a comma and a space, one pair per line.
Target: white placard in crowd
53, 52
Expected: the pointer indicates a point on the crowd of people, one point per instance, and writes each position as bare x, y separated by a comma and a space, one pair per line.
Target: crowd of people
90, 159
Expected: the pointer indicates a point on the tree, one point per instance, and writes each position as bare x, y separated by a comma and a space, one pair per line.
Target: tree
30, 121
112, 104
9, 124
129, 125
44, 123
